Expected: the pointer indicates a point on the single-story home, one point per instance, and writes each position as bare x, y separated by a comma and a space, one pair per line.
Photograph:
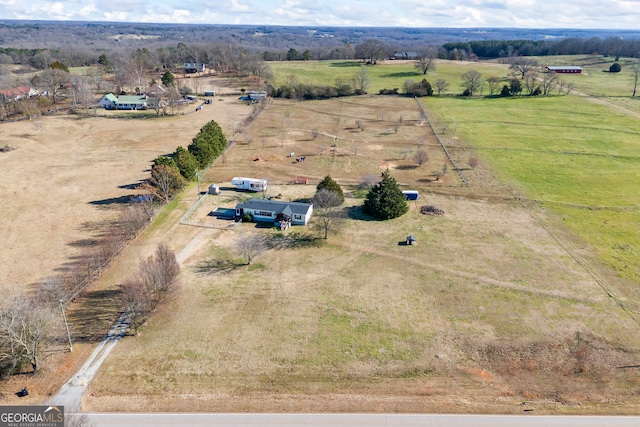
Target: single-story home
565, 69
194, 67
19, 92
135, 102
108, 102
276, 211
405, 55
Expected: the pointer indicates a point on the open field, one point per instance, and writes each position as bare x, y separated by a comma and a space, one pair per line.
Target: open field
577, 158
385, 75
503, 305
65, 183
339, 148
497, 304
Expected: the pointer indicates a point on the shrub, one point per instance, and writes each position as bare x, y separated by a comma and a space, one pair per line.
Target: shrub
615, 68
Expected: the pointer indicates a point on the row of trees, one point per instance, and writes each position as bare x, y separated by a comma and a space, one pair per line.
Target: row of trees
170, 173
30, 322
155, 279
610, 46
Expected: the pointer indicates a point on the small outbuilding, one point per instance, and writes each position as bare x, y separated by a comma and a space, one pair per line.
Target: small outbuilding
411, 240
411, 194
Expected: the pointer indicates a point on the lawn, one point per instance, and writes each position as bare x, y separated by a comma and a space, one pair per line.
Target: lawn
385, 75
491, 307
578, 158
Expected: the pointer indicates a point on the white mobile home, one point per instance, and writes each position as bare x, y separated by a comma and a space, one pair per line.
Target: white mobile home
250, 184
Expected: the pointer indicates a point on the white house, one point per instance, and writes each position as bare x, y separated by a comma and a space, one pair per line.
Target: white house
194, 67
251, 184
276, 211
108, 102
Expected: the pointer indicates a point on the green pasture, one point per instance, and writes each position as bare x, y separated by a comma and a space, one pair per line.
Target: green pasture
384, 75
579, 158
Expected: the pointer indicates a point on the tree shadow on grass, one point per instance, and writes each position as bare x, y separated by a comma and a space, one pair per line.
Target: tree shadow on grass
294, 241
92, 315
122, 200
356, 212
402, 74
406, 167
214, 266
346, 64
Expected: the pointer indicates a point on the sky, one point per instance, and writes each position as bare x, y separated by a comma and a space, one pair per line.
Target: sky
583, 14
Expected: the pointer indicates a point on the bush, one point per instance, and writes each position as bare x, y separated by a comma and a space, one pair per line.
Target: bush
615, 68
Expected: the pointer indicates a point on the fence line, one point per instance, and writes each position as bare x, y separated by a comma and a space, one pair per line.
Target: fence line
455, 166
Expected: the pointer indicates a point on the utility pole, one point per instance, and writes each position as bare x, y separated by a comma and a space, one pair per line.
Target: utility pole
198, 178
64, 316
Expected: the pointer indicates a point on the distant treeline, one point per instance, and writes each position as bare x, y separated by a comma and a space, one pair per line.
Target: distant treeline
611, 46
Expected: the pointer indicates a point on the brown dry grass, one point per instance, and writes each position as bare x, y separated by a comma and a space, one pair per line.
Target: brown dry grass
62, 188
487, 311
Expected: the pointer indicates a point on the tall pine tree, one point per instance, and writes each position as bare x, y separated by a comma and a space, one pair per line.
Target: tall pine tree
385, 200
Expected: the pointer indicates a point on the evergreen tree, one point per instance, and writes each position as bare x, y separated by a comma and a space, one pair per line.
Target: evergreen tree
208, 144
385, 200
329, 184
167, 78
185, 162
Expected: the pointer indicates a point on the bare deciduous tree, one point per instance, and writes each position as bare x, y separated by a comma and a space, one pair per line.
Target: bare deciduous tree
441, 85
166, 180
530, 81
471, 81
635, 73
251, 246
522, 65
24, 327
427, 60
493, 83
133, 218
329, 216
53, 81
156, 277
362, 80
473, 162
549, 82
421, 157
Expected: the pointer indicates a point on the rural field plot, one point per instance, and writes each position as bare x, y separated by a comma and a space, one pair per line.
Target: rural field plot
68, 177
488, 310
346, 138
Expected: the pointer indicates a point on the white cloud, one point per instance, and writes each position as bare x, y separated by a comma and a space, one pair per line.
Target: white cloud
237, 7
408, 13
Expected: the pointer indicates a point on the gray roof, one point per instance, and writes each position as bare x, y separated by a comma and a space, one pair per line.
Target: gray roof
564, 67
286, 208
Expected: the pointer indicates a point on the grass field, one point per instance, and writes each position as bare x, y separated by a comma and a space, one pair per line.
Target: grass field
578, 158
505, 299
385, 75
497, 304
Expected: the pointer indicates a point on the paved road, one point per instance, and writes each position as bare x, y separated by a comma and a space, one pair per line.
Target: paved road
355, 420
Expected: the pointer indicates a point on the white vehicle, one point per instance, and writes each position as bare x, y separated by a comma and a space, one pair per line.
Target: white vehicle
250, 184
